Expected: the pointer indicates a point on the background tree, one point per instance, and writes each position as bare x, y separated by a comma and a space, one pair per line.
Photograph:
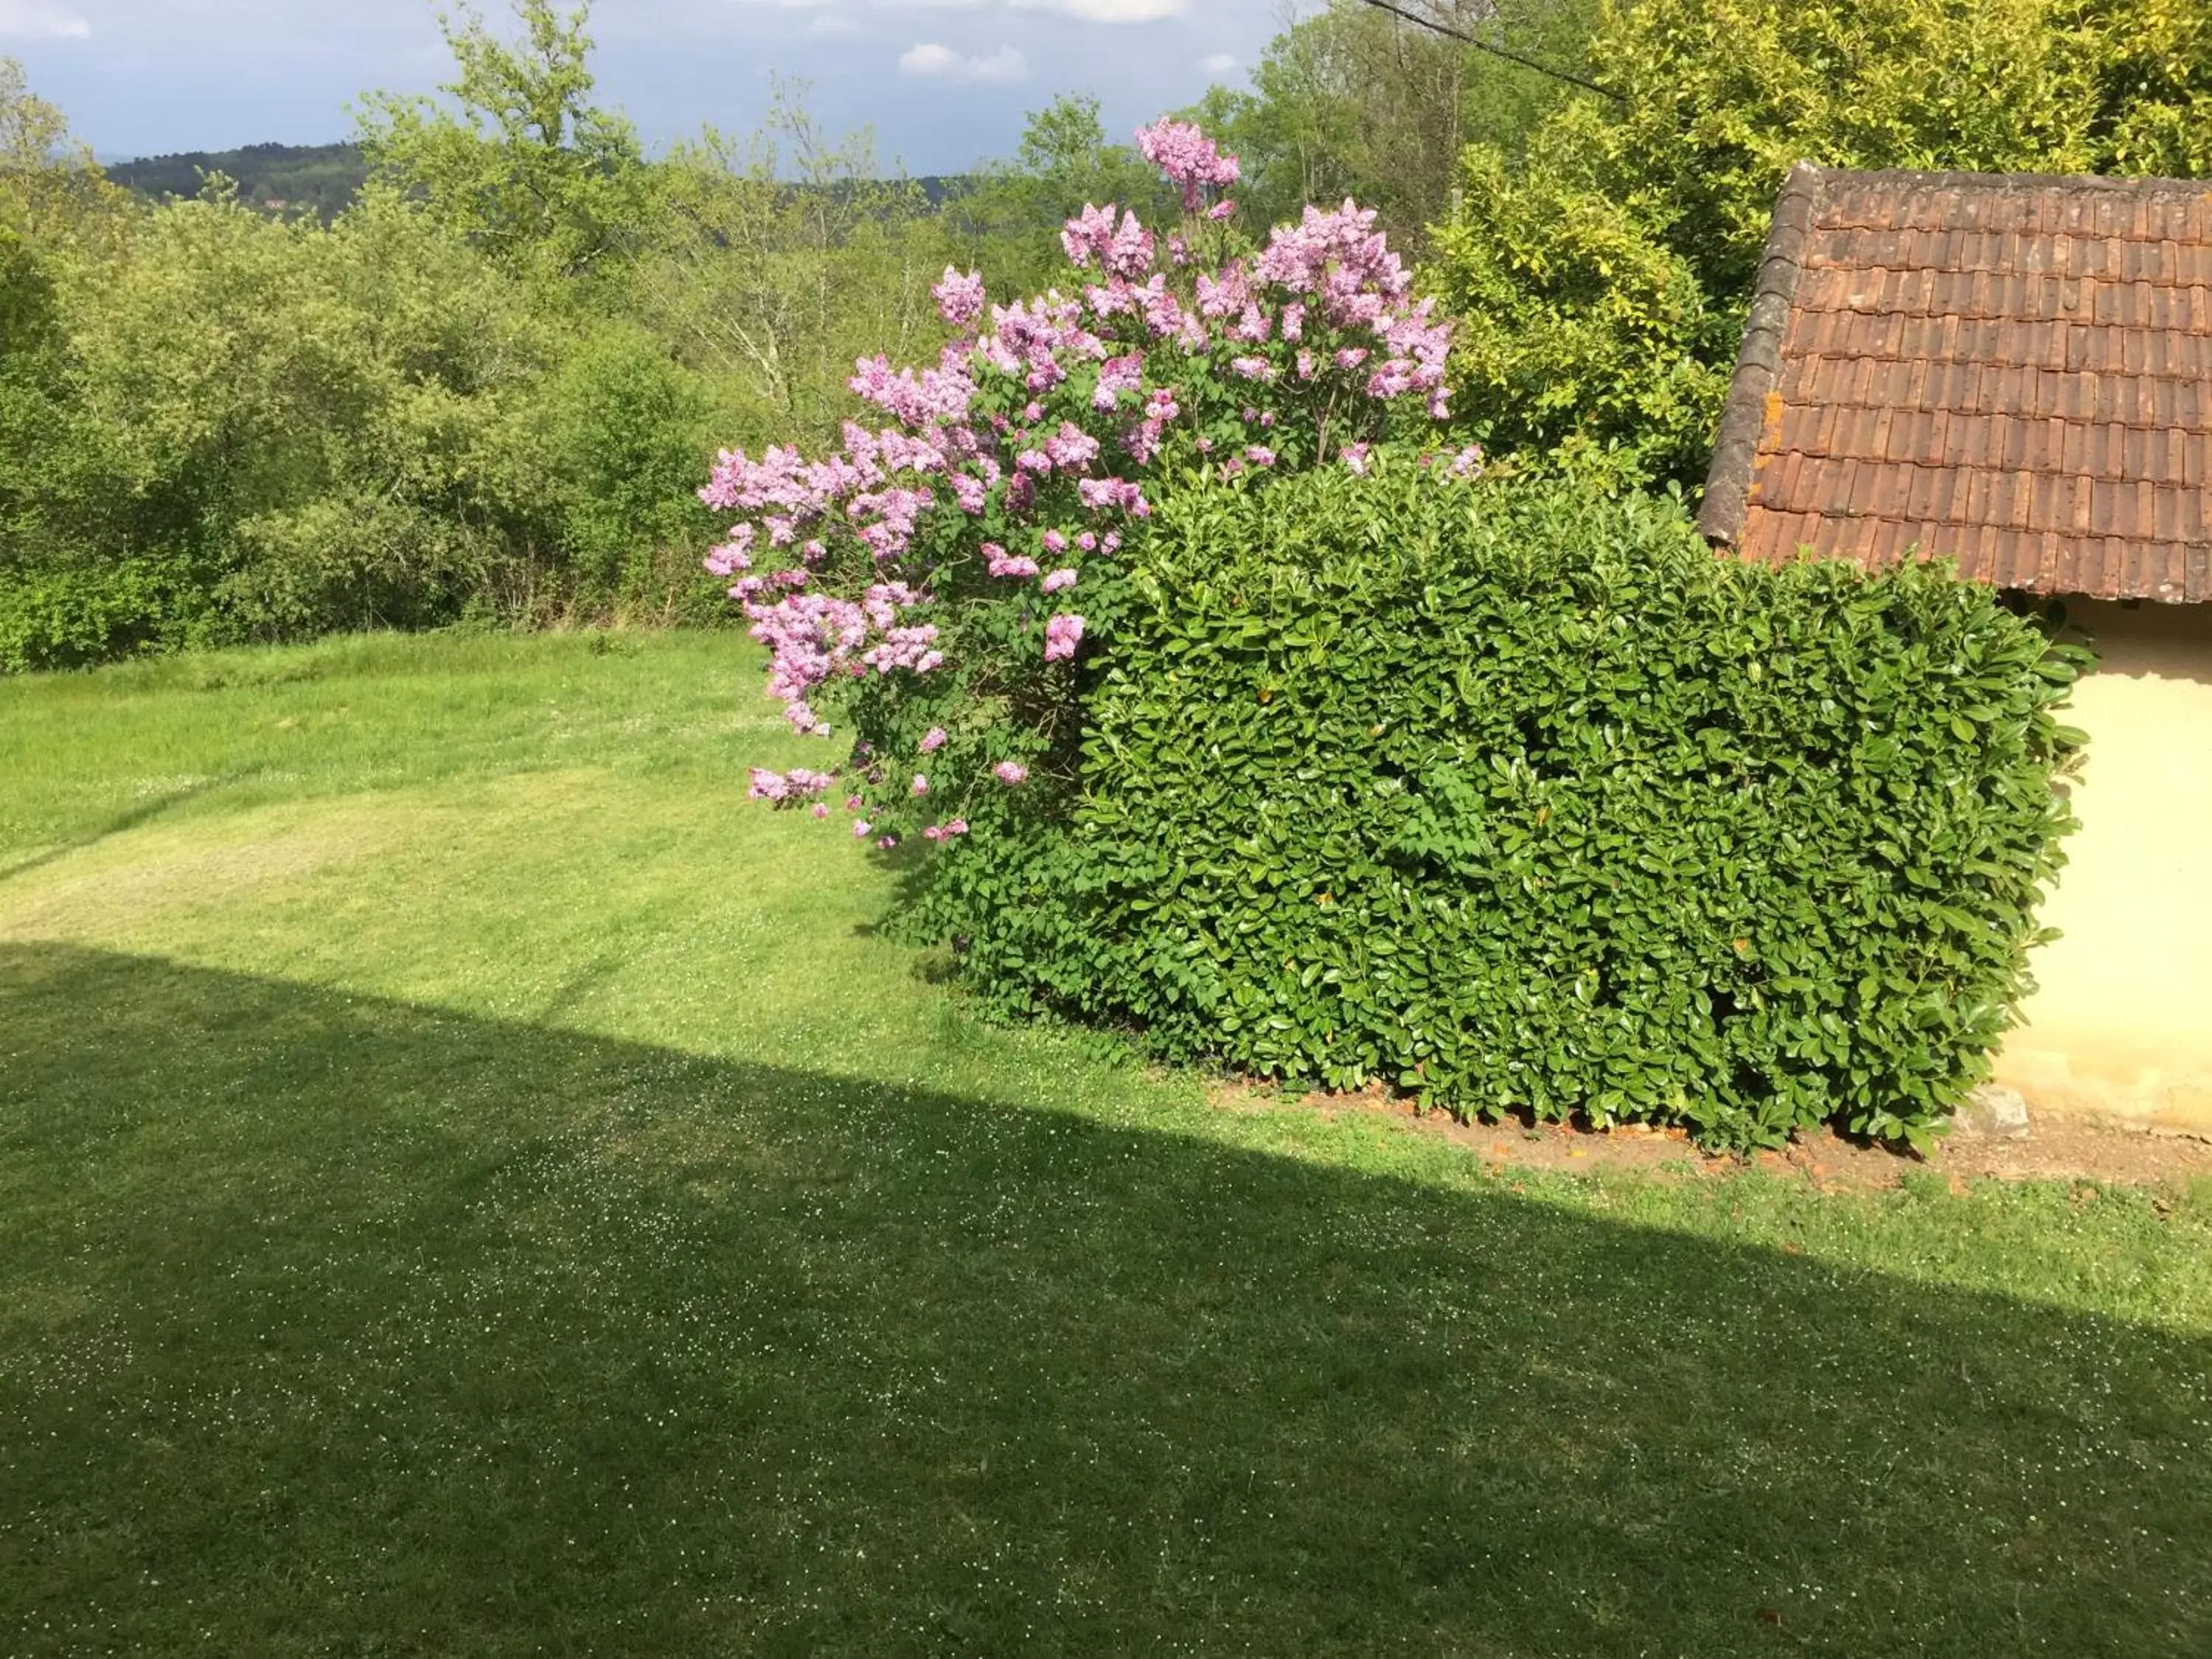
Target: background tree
1006, 219
520, 160
1355, 101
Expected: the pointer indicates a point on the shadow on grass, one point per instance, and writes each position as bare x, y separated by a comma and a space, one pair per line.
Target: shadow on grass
130, 817
330, 1325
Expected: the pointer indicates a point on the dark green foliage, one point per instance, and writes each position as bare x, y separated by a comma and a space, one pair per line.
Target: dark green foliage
74, 616
628, 431
1519, 800
322, 179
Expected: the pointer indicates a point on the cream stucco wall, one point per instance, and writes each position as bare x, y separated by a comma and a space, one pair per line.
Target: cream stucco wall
2121, 1025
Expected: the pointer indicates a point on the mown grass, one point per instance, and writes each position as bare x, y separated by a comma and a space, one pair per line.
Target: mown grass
470, 1184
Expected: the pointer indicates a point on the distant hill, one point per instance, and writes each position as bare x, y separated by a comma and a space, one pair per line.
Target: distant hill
324, 179
286, 178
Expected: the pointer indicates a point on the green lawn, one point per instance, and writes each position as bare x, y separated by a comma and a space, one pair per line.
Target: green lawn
469, 1184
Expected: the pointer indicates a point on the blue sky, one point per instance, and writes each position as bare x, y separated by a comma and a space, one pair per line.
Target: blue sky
944, 82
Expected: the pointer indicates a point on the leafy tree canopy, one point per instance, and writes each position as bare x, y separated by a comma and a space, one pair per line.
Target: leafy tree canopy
519, 159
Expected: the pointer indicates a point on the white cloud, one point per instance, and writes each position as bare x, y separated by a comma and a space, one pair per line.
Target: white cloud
930, 61
1218, 63
1109, 11
41, 20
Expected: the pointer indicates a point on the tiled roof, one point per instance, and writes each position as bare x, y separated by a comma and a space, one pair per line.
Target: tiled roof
2011, 370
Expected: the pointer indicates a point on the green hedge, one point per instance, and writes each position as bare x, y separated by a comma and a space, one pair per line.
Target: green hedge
1520, 799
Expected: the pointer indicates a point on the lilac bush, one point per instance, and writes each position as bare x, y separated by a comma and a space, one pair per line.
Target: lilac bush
945, 581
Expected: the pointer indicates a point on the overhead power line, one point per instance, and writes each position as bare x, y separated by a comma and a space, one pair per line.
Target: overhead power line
1435, 28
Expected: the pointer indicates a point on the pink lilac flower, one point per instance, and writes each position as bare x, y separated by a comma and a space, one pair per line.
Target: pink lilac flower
1221, 210
1252, 368
1226, 294
1072, 447
733, 554
1056, 580
1087, 542
1123, 251
1115, 376
920, 784
1087, 235
960, 299
1259, 454
886, 843
957, 826
821, 809
860, 828
1003, 564
1010, 772
1164, 316
1467, 462
1188, 158
906, 647
933, 740
1054, 542
1111, 299
1112, 541
1354, 457
935, 396
1062, 634
1100, 494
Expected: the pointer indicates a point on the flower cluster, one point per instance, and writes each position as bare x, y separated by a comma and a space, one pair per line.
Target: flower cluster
919, 576
1189, 159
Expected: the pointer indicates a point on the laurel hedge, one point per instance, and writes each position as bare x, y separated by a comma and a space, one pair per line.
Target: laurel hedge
1519, 800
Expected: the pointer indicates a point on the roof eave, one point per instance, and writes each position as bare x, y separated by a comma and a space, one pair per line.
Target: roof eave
1758, 362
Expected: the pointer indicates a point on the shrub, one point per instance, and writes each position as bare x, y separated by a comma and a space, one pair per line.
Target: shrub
74, 616
1517, 799
945, 578
627, 428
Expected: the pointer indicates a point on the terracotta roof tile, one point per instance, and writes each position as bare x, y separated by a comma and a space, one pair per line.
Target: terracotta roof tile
2010, 371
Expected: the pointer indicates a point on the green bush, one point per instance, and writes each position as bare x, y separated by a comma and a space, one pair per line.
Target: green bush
74, 616
627, 430
1515, 798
